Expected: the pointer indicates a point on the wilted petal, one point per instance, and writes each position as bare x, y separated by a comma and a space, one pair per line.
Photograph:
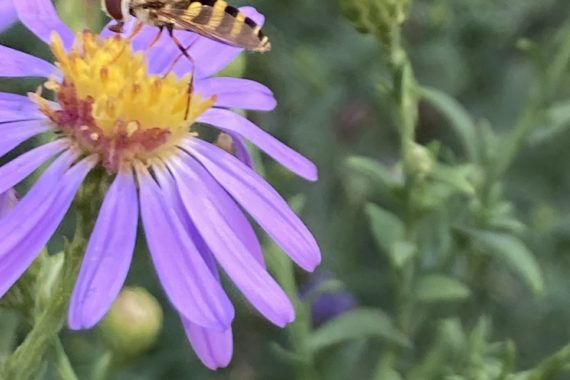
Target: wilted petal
15, 107
229, 121
203, 203
19, 168
212, 56
237, 93
261, 201
188, 282
108, 255
214, 348
14, 63
35, 232
13, 134
40, 17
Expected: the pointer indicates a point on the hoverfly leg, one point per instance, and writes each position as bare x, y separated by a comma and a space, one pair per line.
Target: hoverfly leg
136, 30
184, 52
157, 38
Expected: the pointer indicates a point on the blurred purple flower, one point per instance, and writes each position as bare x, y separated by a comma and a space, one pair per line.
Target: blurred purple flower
8, 14
326, 304
189, 192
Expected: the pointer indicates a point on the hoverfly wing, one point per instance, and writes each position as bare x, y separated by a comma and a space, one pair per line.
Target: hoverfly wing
218, 21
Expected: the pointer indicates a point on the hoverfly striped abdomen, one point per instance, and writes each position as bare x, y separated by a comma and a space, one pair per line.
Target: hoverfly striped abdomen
218, 20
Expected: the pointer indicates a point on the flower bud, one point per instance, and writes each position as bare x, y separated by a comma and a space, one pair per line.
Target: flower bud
379, 17
133, 324
420, 160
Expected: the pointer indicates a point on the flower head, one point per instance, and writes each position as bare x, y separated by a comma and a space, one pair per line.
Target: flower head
125, 111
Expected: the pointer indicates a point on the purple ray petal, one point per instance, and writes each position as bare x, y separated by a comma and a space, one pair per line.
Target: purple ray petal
7, 202
261, 201
35, 203
212, 56
13, 134
15, 107
203, 205
237, 93
14, 63
19, 168
232, 214
8, 14
15, 260
229, 121
188, 282
40, 17
214, 348
108, 254
242, 151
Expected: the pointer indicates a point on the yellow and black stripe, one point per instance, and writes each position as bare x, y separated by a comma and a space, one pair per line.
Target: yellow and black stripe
215, 19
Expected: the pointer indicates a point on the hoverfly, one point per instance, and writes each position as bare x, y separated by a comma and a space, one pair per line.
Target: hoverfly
214, 19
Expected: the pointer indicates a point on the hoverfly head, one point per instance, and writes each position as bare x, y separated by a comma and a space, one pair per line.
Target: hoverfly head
116, 9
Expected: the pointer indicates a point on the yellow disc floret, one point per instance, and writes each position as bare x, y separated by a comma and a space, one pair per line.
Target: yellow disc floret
112, 106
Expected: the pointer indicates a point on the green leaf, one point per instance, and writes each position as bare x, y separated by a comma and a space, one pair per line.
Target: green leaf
377, 173
458, 118
434, 288
386, 227
557, 121
401, 252
513, 253
356, 324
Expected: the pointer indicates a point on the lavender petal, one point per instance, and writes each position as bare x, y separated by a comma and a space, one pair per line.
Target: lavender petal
13, 134
242, 151
40, 17
108, 255
261, 201
188, 282
202, 203
15, 260
8, 14
14, 63
29, 210
18, 108
229, 121
237, 93
233, 215
21, 167
214, 348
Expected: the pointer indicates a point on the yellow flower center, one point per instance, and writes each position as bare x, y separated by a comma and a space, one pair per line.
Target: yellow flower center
111, 105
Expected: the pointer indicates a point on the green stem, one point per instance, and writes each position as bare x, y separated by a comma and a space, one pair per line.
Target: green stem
62, 363
300, 329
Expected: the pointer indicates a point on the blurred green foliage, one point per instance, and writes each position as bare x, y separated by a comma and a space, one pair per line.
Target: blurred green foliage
459, 252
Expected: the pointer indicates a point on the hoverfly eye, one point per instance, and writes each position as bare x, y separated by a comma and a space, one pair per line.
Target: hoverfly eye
114, 9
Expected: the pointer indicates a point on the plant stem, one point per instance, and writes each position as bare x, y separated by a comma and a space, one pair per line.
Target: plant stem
300, 329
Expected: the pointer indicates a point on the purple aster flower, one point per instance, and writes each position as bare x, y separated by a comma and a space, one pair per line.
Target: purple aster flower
327, 304
126, 112
7, 14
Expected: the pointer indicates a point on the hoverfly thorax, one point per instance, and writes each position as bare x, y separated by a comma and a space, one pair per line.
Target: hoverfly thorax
118, 10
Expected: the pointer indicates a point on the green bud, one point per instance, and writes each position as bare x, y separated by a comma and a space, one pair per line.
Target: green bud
380, 17
419, 160
133, 324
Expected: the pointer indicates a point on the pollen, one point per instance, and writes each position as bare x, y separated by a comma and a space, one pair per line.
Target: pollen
110, 105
